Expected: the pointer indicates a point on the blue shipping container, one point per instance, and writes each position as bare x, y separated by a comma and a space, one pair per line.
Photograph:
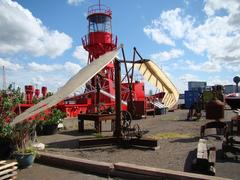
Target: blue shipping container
190, 98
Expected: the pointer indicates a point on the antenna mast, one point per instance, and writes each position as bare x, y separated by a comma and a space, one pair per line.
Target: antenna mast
4, 78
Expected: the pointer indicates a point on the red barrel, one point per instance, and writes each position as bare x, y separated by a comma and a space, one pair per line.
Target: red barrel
29, 90
44, 91
37, 93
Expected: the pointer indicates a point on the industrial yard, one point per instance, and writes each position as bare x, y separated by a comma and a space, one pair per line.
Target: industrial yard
120, 111
178, 141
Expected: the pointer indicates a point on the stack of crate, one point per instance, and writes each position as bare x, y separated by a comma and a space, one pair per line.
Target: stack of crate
8, 170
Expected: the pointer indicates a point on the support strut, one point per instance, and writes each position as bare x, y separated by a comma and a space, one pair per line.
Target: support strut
117, 130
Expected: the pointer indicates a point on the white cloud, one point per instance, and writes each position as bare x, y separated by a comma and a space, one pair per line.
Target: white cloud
167, 55
67, 66
44, 67
182, 82
9, 65
170, 22
207, 66
75, 2
22, 32
38, 80
211, 6
188, 77
217, 37
174, 22
215, 80
81, 54
158, 36
72, 67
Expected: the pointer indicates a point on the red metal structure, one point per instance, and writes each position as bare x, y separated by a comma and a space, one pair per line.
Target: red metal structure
97, 42
99, 94
30, 93
29, 89
37, 93
44, 91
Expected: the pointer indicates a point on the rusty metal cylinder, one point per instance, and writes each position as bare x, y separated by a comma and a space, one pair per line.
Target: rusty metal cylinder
215, 109
29, 90
37, 93
44, 91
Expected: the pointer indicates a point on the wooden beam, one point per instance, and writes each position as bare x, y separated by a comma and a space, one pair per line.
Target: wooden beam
161, 173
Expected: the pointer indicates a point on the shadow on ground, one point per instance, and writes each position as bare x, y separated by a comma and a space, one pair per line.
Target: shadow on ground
186, 140
189, 160
77, 133
70, 144
230, 157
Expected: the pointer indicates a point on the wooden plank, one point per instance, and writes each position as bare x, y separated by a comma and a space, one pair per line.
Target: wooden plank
9, 175
144, 142
2, 162
161, 173
74, 163
93, 142
8, 165
8, 170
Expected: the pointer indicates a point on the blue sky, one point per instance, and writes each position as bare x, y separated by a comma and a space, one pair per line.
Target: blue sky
40, 41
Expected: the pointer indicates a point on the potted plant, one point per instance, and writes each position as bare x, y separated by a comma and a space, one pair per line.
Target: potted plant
6, 145
9, 98
25, 153
50, 123
39, 121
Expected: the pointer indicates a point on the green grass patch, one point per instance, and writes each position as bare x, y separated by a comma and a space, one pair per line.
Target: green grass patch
98, 135
169, 135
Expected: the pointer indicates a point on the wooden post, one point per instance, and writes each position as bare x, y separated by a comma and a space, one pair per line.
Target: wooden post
117, 130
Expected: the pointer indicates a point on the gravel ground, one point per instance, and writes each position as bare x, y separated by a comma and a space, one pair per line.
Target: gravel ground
175, 152
43, 172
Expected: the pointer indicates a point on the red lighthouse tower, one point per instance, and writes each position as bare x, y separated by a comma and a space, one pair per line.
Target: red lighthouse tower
97, 42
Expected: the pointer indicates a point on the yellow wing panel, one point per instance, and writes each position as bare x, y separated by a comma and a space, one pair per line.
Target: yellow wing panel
154, 75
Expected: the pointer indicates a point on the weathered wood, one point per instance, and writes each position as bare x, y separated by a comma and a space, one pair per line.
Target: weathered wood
120, 169
144, 142
161, 173
93, 142
74, 163
97, 118
8, 170
8, 165
7, 176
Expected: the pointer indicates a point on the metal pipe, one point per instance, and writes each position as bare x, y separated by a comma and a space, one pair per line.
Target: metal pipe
125, 64
98, 95
135, 50
117, 130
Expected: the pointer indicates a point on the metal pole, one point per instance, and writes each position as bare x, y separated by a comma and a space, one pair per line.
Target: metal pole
117, 130
98, 96
124, 59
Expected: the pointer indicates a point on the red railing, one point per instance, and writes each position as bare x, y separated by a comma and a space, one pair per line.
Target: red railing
86, 42
99, 8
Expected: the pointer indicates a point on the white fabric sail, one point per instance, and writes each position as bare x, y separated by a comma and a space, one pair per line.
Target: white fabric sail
71, 86
154, 75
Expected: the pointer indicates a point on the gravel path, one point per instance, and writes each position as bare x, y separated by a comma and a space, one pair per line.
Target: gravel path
175, 152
